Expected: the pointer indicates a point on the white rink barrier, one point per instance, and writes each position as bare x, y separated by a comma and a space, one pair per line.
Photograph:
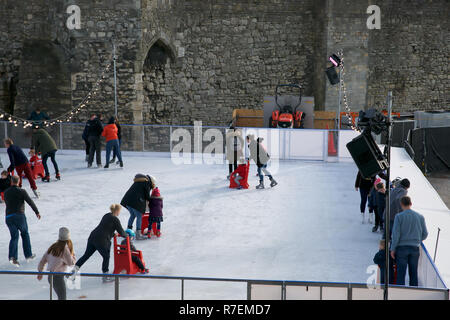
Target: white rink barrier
428, 274
340, 291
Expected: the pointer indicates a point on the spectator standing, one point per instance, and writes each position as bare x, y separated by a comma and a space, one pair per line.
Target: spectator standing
409, 232
94, 131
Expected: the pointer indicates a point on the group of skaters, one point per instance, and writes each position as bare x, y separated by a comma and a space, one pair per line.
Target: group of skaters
142, 194
92, 133
407, 227
238, 166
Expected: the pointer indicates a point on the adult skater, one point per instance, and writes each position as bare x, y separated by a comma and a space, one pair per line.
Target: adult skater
18, 160
135, 200
15, 199
259, 154
110, 132
58, 257
364, 186
44, 143
100, 239
119, 136
235, 145
94, 131
409, 231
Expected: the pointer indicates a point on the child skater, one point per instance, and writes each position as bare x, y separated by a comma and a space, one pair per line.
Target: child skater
33, 158
136, 260
239, 177
5, 183
156, 215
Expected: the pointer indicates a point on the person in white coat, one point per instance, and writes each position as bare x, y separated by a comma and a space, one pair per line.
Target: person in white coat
234, 148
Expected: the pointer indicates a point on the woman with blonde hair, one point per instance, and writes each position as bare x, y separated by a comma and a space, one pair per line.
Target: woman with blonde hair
100, 239
58, 257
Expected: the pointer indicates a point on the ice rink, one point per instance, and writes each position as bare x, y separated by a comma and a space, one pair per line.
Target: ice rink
306, 228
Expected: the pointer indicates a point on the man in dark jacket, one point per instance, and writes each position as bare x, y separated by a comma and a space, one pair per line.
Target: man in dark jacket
135, 200
94, 131
19, 161
44, 143
15, 199
100, 238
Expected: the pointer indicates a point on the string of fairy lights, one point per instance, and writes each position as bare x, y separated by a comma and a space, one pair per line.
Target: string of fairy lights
344, 91
66, 117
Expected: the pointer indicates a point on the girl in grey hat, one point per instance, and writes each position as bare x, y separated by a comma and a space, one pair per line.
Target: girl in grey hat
59, 256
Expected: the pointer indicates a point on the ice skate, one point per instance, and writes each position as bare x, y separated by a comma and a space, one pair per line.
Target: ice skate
139, 235
46, 178
89, 165
106, 166
36, 194
121, 164
58, 176
273, 183
260, 185
374, 229
107, 278
31, 258
74, 273
14, 262
112, 160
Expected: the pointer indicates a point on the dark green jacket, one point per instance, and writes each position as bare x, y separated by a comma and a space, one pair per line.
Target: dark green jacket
43, 142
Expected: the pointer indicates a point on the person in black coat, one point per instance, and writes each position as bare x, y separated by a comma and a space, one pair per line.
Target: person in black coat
15, 198
380, 260
94, 132
364, 186
5, 182
135, 200
380, 200
100, 238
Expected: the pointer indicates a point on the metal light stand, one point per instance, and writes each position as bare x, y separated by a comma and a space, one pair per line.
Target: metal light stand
388, 193
115, 78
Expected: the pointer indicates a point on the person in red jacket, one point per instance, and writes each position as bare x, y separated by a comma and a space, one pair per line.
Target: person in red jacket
112, 141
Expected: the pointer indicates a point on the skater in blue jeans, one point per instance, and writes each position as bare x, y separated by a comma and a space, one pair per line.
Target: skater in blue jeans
409, 232
16, 221
135, 200
259, 154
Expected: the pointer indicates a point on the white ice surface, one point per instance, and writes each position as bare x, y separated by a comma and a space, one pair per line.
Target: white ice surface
307, 228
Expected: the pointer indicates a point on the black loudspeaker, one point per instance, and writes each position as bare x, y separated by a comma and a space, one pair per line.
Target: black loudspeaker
367, 156
332, 75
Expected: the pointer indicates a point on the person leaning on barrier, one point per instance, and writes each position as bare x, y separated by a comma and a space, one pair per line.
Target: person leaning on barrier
409, 232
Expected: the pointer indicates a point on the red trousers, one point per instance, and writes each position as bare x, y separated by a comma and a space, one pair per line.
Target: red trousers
26, 169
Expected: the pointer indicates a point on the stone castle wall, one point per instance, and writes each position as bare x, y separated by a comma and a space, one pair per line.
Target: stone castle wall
180, 61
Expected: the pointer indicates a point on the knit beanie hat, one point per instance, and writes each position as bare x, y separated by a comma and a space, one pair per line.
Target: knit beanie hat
64, 234
152, 180
405, 183
155, 192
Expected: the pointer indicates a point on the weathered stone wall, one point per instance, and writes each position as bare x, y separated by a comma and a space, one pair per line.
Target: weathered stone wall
410, 55
220, 55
